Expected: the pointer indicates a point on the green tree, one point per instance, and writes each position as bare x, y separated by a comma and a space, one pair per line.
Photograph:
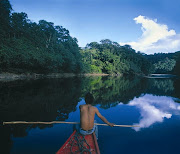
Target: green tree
41, 47
112, 58
5, 10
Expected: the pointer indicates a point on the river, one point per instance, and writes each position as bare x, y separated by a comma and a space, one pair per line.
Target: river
154, 104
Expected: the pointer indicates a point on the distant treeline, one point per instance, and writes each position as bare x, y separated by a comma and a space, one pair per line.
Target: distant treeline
165, 62
29, 47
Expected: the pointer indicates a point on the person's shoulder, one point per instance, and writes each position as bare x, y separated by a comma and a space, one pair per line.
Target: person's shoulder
80, 106
94, 108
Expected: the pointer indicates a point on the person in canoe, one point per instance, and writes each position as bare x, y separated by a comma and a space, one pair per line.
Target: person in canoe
87, 114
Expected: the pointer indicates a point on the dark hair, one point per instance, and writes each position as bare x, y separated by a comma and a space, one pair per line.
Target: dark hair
89, 98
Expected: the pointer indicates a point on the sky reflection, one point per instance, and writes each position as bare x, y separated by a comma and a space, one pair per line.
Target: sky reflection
154, 109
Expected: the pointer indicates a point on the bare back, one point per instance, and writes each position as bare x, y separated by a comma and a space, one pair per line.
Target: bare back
87, 113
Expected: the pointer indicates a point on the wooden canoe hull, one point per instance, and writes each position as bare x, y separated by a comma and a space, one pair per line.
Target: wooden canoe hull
72, 145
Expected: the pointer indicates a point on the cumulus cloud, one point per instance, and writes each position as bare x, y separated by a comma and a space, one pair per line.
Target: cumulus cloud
154, 109
155, 37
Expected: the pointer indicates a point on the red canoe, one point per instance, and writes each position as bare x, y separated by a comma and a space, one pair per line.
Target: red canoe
76, 143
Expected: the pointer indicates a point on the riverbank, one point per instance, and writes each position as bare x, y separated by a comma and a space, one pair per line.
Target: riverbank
161, 76
12, 76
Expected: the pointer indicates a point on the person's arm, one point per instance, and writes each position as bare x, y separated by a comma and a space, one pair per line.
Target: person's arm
103, 118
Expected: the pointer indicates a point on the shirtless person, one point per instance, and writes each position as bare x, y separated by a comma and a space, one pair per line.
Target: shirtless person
87, 114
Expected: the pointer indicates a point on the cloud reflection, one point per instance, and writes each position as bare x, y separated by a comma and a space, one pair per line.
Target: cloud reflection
154, 109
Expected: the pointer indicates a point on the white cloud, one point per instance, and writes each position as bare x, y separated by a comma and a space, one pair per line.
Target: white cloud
154, 109
155, 37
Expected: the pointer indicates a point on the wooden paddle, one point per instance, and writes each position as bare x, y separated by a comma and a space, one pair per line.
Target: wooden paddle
60, 122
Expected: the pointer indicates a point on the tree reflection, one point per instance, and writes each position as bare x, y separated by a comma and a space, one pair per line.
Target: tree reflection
164, 87
161, 86
109, 91
177, 89
39, 100
5, 139
55, 99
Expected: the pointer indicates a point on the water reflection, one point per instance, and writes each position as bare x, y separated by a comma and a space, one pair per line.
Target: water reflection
154, 109
108, 91
162, 87
56, 99
47, 100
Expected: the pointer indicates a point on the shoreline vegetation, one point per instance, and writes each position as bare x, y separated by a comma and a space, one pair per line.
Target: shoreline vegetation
43, 48
46, 50
23, 76
161, 76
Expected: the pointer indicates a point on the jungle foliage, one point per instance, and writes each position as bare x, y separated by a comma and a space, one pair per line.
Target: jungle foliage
111, 58
43, 47
29, 47
165, 62
26, 46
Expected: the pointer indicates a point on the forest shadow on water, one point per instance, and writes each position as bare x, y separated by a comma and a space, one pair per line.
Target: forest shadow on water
56, 99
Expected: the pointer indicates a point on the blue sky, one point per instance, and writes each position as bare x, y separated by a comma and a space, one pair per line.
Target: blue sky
148, 26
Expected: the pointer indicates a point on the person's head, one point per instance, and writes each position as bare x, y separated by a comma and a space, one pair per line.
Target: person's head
89, 98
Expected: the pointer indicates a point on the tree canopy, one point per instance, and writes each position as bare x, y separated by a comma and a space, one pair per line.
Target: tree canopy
30, 47
165, 62
27, 46
109, 57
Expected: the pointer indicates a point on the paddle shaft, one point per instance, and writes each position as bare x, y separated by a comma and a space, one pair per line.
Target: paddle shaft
60, 122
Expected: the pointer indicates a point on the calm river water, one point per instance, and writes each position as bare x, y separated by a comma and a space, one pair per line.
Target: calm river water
154, 104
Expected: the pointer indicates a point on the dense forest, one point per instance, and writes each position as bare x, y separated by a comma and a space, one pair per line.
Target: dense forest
26, 46
165, 62
109, 57
30, 47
